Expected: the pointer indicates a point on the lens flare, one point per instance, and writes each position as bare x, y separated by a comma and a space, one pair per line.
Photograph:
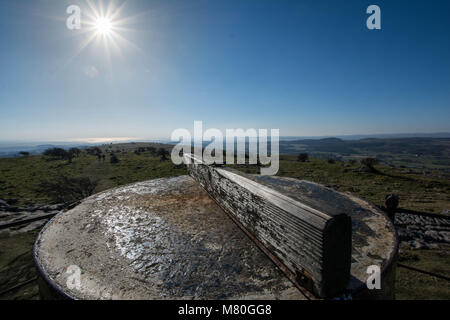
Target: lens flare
103, 26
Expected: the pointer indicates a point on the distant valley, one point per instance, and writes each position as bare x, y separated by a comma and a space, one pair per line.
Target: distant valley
415, 152
430, 153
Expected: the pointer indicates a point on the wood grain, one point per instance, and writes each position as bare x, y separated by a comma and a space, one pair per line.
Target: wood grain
313, 246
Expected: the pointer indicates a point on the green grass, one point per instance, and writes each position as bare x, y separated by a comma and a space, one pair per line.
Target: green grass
20, 178
17, 266
411, 285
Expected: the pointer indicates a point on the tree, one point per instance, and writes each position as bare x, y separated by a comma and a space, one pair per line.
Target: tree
24, 153
94, 151
69, 157
113, 159
369, 164
303, 157
75, 152
163, 153
152, 150
59, 153
56, 153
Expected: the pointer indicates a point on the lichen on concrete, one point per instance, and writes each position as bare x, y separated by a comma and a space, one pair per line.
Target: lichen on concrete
161, 239
167, 239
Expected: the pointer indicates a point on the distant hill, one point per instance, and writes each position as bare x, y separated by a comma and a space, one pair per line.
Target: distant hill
420, 152
366, 136
413, 152
13, 151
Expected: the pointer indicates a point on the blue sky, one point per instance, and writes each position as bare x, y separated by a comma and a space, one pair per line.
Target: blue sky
309, 68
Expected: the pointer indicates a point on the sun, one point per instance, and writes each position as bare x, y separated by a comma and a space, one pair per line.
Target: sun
106, 26
103, 26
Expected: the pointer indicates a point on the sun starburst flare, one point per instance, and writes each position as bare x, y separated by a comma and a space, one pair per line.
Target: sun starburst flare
103, 26
106, 26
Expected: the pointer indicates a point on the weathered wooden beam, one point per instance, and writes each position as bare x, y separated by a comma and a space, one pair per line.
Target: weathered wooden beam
312, 247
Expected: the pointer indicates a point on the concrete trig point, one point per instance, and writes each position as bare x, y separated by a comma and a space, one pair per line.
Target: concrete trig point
217, 234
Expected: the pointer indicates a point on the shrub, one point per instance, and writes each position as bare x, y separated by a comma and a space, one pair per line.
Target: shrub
56, 153
163, 153
369, 164
75, 152
152, 150
59, 153
94, 151
303, 157
113, 159
67, 190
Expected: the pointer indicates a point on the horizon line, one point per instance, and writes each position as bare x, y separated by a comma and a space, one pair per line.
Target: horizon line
100, 140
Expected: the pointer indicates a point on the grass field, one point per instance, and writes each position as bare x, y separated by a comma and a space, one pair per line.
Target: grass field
411, 285
20, 179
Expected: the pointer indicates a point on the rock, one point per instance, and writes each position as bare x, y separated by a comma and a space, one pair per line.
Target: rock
12, 201
13, 209
445, 236
53, 207
427, 230
33, 208
44, 208
431, 235
5, 214
417, 244
391, 202
404, 235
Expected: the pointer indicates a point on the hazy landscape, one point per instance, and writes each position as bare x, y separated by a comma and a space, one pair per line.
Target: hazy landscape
33, 182
432, 152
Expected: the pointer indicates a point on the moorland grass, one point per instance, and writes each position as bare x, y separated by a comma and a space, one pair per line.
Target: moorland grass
20, 179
